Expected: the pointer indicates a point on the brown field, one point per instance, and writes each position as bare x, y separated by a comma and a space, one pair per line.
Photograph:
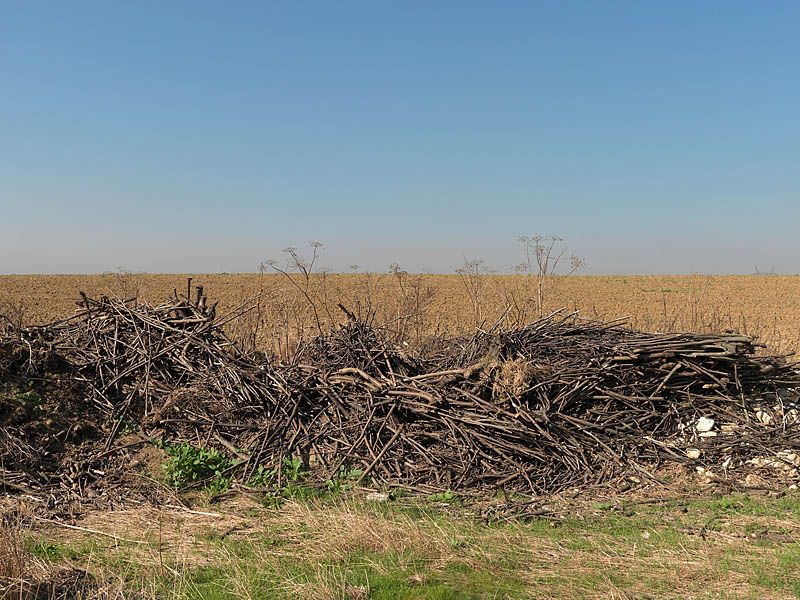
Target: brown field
417, 306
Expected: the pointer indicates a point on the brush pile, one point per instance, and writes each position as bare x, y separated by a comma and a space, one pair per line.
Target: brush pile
560, 403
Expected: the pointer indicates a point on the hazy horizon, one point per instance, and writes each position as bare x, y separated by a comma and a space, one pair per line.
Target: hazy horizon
490, 271
196, 137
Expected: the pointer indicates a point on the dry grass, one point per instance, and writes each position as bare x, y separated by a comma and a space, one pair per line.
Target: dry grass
417, 306
14, 563
24, 576
347, 548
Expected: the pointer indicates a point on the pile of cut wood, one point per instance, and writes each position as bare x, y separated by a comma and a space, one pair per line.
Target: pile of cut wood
560, 403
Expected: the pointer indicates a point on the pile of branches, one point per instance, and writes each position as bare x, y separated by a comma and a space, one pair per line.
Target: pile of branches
560, 403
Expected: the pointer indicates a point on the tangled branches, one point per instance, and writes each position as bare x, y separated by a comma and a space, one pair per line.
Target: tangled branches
562, 402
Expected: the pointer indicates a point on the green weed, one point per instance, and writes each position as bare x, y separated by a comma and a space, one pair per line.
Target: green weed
189, 464
446, 497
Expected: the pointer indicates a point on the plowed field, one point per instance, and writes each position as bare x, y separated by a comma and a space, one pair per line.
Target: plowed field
420, 305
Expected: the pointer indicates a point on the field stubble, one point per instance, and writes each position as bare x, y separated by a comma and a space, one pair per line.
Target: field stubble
419, 306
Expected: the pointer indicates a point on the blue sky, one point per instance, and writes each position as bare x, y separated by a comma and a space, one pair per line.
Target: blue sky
657, 137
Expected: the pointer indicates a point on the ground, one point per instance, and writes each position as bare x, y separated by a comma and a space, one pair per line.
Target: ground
695, 544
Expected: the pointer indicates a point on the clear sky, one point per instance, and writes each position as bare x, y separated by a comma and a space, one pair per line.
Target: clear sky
657, 137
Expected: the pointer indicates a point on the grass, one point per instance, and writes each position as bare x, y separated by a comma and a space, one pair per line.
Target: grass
12, 556
344, 547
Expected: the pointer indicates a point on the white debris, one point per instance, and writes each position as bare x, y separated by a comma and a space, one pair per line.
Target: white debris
704, 424
708, 434
763, 417
707, 475
790, 457
693, 453
377, 497
753, 480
